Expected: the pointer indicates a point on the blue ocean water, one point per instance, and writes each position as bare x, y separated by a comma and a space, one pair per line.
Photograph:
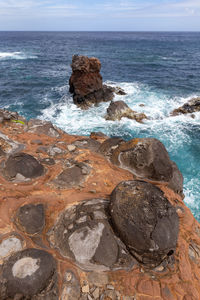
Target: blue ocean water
159, 70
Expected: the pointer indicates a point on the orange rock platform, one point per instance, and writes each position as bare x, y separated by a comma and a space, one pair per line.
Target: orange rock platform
179, 280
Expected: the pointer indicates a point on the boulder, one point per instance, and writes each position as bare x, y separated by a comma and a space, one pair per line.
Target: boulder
22, 165
83, 234
145, 220
193, 105
119, 109
148, 158
28, 273
30, 218
86, 82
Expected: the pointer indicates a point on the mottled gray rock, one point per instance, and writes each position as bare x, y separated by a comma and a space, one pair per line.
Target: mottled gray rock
87, 238
145, 220
148, 158
43, 127
71, 287
73, 175
9, 246
29, 273
31, 218
119, 109
87, 144
23, 164
9, 146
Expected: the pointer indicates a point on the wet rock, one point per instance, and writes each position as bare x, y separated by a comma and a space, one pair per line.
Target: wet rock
31, 218
83, 234
109, 145
145, 220
29, 273
71, 287
119, 109
9, 146
148, 158
193, 105
87, 143
73, 175
119, 91
86, 82
9, 246
23, 164
43, 127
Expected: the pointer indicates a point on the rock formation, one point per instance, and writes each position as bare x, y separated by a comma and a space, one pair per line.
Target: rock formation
119, 109
193, 105
86, 83
73, 225
147, 158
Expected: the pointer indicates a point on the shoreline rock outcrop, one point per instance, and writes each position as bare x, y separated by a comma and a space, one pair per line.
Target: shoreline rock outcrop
192, 106
105, 233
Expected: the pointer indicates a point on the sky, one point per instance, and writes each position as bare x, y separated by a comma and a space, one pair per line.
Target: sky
96, 15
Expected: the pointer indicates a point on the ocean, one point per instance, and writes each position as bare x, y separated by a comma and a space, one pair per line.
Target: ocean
158, 69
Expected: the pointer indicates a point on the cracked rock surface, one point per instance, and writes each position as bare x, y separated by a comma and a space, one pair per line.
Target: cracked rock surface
145, 220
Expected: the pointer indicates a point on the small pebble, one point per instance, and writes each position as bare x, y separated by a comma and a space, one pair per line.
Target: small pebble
71, 147
85, 289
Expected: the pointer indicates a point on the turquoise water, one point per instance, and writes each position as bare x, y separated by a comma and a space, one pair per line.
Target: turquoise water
159, 70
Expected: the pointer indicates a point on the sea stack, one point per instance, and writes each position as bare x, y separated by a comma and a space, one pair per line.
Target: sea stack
86, 82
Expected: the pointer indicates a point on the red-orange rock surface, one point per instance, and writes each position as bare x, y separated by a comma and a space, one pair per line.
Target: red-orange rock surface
95, 178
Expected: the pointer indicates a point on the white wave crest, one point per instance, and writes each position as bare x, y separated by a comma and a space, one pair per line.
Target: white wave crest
15, 55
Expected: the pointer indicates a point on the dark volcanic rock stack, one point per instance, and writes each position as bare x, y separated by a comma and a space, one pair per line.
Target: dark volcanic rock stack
86, 82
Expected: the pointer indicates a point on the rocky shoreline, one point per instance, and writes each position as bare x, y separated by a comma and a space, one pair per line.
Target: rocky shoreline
92, 217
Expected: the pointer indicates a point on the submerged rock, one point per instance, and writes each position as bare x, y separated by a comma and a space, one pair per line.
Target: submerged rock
86, 82
145, 220
189, 107
119, 109
23, 164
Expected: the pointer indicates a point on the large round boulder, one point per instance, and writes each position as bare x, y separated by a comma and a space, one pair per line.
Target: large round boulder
28, 273
145, 221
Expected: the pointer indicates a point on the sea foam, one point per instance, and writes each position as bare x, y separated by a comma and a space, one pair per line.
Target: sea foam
15, 55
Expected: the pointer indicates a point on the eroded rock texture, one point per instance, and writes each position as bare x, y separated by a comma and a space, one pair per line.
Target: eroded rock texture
119, 109
57, 238
148, 158
145, 220
86, 82
84, 234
